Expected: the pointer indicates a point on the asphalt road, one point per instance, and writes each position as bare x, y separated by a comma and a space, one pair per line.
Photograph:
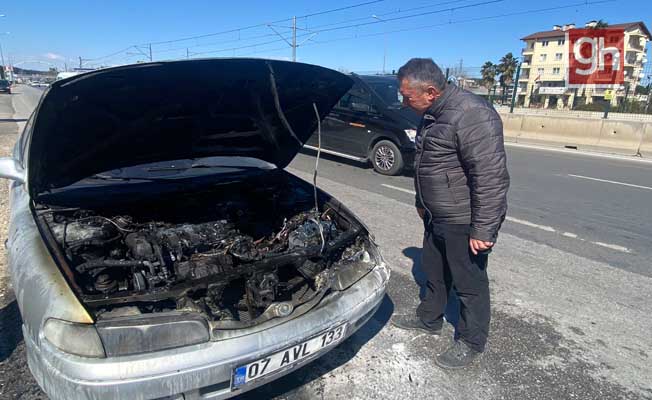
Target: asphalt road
595, 207
569, 278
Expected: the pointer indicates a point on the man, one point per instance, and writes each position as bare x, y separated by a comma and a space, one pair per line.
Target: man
461, 182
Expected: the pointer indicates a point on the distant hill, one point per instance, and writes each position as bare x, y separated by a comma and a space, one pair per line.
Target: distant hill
21, 71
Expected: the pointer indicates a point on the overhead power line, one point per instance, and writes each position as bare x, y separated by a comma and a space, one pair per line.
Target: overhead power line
313, 32
384, 20
263, 24
398, 11
453, 22
245, 39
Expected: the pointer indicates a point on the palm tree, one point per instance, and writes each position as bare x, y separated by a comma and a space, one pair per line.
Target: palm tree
507, 68
488, 72
600, 25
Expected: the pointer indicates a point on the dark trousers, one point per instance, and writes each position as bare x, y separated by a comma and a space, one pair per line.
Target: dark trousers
448, 263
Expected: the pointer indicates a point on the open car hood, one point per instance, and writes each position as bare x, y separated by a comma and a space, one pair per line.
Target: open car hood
142, 113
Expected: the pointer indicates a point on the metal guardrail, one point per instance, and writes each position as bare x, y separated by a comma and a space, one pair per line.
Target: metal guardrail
577, 114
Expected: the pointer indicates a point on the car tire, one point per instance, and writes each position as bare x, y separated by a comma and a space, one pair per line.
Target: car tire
386, 158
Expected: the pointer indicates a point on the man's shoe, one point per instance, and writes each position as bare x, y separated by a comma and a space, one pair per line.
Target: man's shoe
412, 322
459, 355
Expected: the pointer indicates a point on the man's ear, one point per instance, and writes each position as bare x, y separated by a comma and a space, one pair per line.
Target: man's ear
432, 93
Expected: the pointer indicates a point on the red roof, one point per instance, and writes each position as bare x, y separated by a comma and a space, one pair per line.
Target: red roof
562, 34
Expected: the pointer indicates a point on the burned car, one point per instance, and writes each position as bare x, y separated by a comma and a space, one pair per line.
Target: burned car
157, 246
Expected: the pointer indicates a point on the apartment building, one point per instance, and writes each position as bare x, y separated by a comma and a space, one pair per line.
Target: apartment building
545, 64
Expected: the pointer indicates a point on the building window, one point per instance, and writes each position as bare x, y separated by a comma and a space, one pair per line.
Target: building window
561, 42
555, 71
540, 71
543, 57
544, 43
558, 57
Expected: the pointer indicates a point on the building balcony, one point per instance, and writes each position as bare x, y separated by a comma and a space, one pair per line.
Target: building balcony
638, 49
525, 64
527, 50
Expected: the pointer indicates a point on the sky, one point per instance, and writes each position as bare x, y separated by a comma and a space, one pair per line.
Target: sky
359, 37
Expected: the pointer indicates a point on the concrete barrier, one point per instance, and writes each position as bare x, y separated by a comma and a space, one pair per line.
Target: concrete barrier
613, 136
621, 135
512, 126
646, 144
577, 132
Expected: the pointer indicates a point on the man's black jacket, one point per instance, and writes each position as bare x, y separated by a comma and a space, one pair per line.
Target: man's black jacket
460, 167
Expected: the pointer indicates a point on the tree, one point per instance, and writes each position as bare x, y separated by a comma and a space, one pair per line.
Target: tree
600, 25
507, 68
488, 72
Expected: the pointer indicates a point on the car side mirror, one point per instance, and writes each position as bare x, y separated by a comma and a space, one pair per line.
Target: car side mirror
10, 169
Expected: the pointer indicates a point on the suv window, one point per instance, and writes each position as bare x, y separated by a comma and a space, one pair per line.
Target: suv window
356, 99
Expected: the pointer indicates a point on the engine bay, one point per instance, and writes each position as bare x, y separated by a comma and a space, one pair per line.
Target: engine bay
239, 253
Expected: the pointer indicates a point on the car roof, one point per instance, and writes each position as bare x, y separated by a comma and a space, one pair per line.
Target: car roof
378, 78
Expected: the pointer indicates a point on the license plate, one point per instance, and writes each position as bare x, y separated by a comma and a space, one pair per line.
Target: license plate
286, 358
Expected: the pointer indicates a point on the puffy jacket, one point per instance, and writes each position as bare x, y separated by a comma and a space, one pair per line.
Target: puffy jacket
460, 166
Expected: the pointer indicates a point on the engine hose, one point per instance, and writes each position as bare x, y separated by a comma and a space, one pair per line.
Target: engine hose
95, 264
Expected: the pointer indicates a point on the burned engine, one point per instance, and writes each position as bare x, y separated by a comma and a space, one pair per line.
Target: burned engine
212, 267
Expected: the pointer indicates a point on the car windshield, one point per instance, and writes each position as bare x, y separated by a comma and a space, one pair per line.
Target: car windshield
4, 82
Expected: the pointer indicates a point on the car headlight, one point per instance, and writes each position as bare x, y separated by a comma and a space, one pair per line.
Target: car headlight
351, 269
145, 334
411, 134
70, 337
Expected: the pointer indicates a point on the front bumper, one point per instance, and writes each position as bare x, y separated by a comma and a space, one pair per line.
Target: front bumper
202, 371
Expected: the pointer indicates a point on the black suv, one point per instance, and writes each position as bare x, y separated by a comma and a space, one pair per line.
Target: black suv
5, 86
370, 124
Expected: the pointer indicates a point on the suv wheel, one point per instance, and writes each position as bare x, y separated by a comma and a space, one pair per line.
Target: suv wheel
386, 158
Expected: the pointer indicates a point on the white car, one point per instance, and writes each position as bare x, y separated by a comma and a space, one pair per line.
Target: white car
157, 247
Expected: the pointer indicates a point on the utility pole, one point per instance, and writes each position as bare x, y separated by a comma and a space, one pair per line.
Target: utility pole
150, 52
294, 39
292, 43
374, 16
649, 94
515, 89
187, 54
80, 62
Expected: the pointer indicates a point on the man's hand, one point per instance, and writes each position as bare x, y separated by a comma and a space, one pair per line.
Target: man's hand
421, 212
479, 245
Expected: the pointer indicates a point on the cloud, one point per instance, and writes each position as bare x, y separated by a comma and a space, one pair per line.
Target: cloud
53, 56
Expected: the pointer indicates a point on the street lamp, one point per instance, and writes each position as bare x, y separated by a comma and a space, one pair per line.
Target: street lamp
2, 57
374, 16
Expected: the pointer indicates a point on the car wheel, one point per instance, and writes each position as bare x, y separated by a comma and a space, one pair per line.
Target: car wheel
386, 158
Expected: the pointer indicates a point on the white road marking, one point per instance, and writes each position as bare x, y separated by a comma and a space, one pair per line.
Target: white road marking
608, 181
613, 247
533, 225
400, 189
580, 152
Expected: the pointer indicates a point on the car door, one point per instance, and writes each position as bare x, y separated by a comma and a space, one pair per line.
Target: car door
346, 127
